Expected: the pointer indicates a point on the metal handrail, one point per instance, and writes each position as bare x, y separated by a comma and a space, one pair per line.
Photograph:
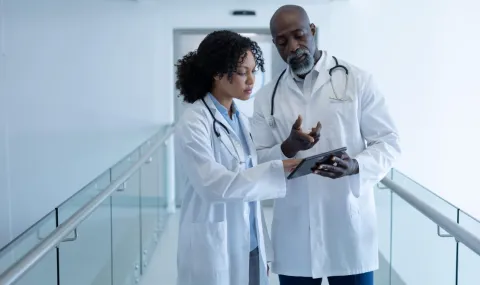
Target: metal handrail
457, 231
18, 269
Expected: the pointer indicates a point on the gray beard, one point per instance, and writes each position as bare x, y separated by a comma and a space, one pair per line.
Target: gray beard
304, 67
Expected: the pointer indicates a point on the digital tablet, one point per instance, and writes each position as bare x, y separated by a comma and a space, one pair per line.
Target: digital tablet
306, 165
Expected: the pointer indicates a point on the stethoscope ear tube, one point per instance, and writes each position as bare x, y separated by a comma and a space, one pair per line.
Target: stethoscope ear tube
337, 66
215, 121
217, 133
272, 103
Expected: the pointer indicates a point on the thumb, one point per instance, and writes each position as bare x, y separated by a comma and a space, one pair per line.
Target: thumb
298, 123
318, 128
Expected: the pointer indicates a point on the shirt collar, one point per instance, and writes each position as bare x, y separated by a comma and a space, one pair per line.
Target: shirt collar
221, 108
319, 66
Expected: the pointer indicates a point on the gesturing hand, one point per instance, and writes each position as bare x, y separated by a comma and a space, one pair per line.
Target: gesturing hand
299, 140
340, 167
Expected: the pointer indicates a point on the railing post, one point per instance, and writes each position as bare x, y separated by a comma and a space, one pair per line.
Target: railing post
170, 175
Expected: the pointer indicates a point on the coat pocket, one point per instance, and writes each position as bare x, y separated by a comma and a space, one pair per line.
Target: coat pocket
209, 249
205, 212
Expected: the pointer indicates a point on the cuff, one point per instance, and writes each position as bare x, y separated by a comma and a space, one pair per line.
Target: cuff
280, 180
361, 172
279, 153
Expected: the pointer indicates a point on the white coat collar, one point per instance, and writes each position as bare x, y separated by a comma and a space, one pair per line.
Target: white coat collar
220, 118
322, 68
245, 127
318, 68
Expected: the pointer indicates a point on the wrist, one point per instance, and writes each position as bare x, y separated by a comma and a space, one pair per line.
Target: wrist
356, 167
287, 149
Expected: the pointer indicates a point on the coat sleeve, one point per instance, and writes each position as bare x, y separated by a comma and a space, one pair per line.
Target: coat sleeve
380, 133
214, 181
266, 238
268, 148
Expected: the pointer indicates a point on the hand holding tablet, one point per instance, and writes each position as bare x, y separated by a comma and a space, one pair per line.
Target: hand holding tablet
311, 164
338, 166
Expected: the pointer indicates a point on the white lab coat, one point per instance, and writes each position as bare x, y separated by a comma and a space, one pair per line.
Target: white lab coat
329, 229
214, 235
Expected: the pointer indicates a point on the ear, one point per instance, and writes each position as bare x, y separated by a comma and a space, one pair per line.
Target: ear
216, 78
313, 29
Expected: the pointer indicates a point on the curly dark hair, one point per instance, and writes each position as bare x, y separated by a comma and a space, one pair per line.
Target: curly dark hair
218, 54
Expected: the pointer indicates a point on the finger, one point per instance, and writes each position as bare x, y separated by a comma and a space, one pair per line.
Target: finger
339, 162
319, 166
305, 137
331, 168
298, 123
326, 174
344, 156
317, 128
315, 140
313, 133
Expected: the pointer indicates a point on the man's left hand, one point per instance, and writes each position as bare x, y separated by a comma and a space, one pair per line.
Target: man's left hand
340, 167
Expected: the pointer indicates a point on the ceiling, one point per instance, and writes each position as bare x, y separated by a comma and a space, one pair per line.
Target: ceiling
263, 2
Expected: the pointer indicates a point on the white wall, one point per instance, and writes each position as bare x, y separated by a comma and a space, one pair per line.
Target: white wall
424, 54
81, 86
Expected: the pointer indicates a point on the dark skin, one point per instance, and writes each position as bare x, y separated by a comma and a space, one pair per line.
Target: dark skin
291, 30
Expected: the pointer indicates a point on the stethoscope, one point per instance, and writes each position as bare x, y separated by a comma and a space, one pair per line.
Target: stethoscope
218, 135
330, 72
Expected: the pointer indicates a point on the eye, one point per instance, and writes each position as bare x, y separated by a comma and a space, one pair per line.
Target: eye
281, 41
299, 35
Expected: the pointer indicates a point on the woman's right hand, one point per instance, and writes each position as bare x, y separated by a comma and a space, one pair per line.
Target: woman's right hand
290, 164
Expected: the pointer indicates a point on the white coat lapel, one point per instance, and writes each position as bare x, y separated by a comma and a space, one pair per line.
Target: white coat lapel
291, 84
245, 124
322, 67
227, 139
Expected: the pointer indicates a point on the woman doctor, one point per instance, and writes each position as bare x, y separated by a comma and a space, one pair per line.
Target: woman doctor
222, 229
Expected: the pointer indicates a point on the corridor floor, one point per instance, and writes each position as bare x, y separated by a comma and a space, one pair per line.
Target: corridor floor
162, 269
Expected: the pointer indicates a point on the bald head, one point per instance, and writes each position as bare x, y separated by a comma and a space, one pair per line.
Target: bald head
294, 37
290, 12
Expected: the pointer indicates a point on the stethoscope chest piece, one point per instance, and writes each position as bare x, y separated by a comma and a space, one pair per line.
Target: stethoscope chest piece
271, 122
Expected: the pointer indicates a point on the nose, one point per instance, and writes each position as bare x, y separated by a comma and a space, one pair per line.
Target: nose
250, 78
292, 46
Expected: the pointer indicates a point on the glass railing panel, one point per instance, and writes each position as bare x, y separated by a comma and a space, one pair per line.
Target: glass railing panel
115, 241
46, 268
383, 201
468, 261
87, 258
126, 225
419, 255
152, 201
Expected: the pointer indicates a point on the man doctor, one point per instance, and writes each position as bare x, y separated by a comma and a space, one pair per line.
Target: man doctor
328, 231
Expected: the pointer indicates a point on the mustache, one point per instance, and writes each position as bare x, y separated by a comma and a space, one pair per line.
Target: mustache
299, 52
